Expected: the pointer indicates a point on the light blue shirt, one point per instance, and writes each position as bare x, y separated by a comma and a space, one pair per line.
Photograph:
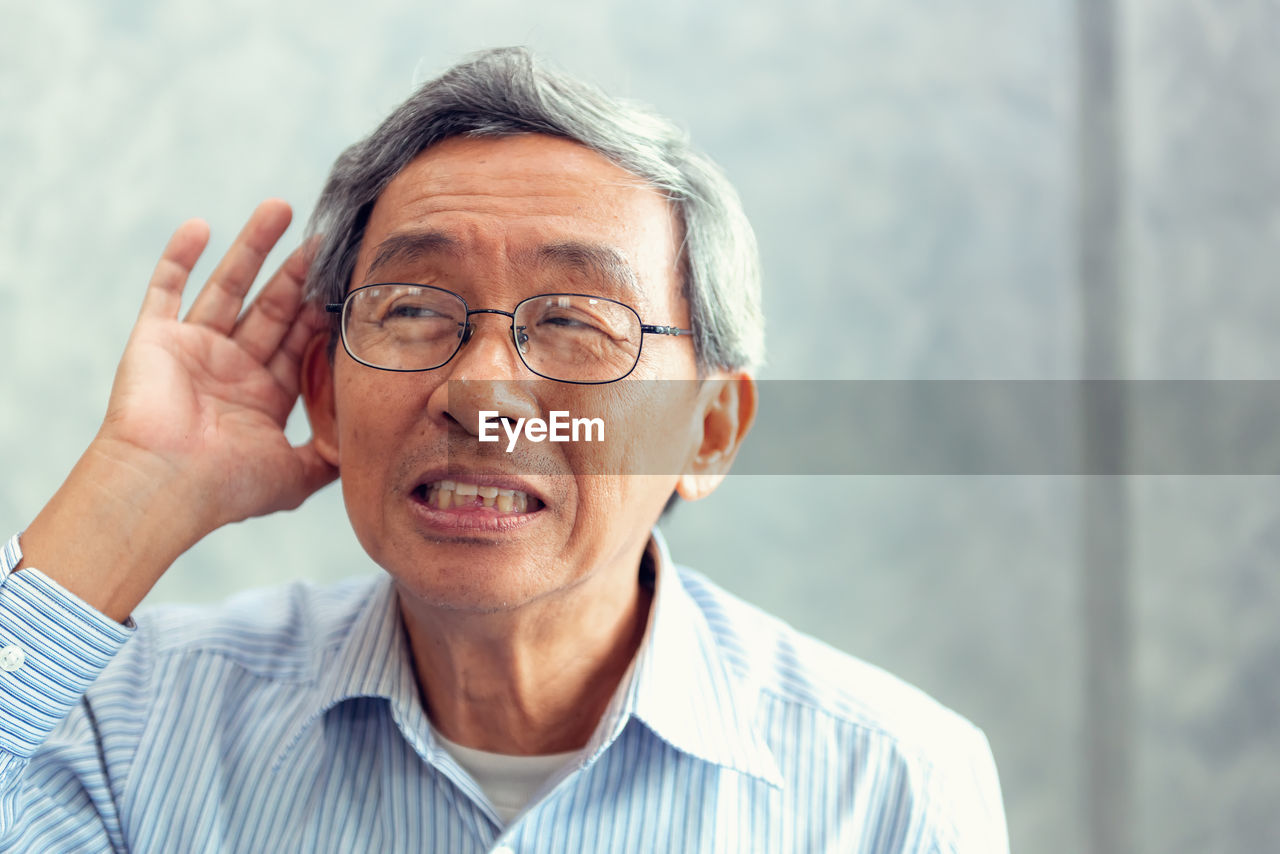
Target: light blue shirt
289, 720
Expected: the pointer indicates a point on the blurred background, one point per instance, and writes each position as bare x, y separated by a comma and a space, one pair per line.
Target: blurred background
1005, 189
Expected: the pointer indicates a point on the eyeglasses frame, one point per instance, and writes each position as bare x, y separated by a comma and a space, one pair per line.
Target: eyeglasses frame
468, 329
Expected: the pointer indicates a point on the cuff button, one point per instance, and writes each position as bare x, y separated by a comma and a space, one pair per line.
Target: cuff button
12, 658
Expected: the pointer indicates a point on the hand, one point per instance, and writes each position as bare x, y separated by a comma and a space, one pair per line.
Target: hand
206, 399
194, 433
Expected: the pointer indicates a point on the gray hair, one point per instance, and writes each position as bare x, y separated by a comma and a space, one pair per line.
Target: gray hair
505, 92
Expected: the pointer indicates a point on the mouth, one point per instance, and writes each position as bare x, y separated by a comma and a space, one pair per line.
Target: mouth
462, 496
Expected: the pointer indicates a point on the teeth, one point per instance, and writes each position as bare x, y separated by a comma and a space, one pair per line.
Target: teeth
445, 494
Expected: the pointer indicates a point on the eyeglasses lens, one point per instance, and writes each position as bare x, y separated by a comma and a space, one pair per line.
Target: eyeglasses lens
566, 337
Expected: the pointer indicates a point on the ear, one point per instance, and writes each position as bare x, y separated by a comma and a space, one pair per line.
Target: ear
728, 403
317, 394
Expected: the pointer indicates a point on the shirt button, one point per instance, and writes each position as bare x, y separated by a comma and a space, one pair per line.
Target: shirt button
11, 658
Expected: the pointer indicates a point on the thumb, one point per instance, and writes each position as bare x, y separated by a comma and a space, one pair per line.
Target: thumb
314, 473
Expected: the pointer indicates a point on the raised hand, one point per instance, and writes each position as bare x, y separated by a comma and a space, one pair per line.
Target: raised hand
209, 395
194, 433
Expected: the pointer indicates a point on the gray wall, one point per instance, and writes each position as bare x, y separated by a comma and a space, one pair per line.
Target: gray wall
942, 190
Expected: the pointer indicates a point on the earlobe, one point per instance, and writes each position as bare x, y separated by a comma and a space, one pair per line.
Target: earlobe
728, 406
318, 395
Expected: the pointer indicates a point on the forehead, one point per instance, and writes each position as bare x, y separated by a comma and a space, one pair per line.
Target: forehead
510, 201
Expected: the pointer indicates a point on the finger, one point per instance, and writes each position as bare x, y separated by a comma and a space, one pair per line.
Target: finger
164, 292
285, 364
264, 325
218, 304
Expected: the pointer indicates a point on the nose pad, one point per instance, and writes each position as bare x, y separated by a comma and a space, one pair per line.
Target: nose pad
465, 331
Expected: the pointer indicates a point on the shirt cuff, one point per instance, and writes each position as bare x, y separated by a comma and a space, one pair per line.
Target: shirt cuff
52, 648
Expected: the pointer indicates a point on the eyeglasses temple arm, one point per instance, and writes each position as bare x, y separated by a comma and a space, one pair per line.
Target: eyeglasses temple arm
664, 330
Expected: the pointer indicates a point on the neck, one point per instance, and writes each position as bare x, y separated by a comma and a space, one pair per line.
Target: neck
533, 680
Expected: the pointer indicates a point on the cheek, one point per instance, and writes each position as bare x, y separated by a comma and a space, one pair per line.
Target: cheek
367, 429
599, 504
615, 513
628, 478
363, 477
366, 473
373, 405
651, 426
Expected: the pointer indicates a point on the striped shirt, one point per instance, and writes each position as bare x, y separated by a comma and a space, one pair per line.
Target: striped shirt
289, 720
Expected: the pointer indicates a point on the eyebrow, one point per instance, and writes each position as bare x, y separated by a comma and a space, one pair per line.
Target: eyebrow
597, 260
407, 247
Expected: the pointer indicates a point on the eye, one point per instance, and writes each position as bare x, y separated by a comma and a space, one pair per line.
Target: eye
567, 322
578, 319
410, 310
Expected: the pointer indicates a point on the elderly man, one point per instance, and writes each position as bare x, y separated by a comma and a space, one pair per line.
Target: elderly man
532, 672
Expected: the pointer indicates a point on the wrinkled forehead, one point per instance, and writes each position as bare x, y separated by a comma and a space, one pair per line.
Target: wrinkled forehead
481, 206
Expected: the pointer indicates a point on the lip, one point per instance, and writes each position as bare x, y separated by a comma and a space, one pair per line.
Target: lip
474, 519
479, 478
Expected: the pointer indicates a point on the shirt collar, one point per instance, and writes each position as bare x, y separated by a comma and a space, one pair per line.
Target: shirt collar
680, 685
368, 658
684, 690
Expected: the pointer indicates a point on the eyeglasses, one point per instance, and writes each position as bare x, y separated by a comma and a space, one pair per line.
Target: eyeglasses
572, 338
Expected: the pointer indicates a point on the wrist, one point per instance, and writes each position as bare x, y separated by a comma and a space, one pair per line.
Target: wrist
113, 527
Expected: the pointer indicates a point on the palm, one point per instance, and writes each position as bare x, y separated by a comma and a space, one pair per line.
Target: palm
196, 399
209, 396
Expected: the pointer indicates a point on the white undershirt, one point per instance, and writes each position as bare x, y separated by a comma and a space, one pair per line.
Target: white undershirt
509, 782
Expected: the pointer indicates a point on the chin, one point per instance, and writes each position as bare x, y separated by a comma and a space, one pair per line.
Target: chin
468, 589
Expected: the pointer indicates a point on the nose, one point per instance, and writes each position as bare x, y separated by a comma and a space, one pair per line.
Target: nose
490, 356
485, 374
517, 333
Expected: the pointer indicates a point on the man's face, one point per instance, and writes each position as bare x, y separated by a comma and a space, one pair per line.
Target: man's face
496, 221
